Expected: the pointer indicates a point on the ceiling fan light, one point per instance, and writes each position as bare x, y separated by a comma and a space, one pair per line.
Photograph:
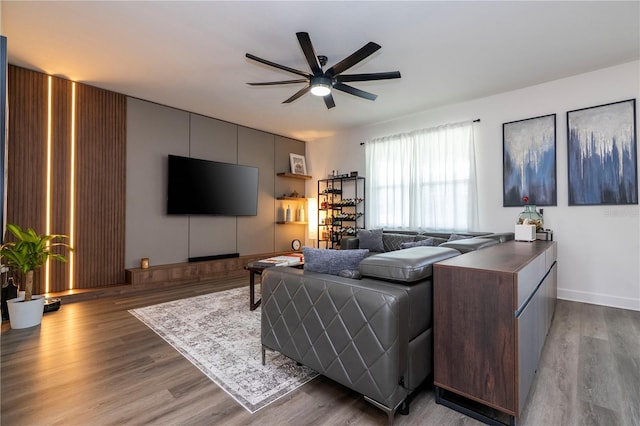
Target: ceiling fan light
320, 89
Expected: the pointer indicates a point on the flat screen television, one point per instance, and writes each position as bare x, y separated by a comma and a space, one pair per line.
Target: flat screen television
203, 187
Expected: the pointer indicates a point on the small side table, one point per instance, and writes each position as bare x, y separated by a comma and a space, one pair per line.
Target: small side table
255, 268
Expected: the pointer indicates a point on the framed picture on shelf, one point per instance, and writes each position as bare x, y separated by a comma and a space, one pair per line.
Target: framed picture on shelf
529, 161
298, 164
602, 154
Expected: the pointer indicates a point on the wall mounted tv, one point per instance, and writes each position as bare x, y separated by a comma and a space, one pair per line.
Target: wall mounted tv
202, 187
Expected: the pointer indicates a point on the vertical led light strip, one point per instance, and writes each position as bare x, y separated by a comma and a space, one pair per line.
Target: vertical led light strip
72, 185
48, 190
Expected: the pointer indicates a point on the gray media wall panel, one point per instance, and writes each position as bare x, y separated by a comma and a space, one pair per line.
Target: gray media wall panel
213, 140
155, 131
255, 233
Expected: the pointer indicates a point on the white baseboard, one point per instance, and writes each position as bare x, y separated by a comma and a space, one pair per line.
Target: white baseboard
599, 299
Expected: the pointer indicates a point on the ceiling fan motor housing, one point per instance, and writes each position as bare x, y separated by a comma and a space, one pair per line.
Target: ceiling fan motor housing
321, 80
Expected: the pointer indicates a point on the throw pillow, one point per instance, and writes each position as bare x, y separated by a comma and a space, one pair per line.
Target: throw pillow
332, 261
421, 243
456, 237
437, 241
371, 239
391, 241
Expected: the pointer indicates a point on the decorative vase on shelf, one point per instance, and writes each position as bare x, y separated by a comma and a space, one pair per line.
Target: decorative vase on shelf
530, 216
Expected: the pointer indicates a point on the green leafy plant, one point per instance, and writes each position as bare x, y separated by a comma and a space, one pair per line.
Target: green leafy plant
29, 252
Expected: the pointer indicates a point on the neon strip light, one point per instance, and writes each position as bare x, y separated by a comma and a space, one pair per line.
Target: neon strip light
72, 186
48, 190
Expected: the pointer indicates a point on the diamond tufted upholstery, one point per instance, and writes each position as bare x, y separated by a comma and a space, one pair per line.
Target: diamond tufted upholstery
370, 335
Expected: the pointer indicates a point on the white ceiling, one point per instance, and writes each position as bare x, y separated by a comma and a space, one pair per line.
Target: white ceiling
191, 55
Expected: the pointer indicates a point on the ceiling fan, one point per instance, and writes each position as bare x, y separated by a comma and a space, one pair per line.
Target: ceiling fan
320, 83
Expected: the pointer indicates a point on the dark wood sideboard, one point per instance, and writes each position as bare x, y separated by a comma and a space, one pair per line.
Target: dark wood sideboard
492, 312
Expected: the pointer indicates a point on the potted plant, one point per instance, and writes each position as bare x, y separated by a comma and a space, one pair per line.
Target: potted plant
29, 252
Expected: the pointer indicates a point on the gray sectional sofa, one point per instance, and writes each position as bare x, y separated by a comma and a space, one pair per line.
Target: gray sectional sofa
396, 239
371, 332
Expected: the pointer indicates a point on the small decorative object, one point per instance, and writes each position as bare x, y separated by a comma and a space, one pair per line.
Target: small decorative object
287, 217
354, 174
603, 154
546, 235
301, 218
294, 194
295, 244
144, 263
530, 216
529, 161
298, 164
525, 233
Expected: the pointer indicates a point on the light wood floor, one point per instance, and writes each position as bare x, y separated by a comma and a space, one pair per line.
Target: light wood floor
92, 363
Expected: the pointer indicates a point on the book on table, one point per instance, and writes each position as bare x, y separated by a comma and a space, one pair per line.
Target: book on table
287, 260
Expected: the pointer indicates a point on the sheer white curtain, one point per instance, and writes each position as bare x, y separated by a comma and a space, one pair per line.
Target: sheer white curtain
423, 180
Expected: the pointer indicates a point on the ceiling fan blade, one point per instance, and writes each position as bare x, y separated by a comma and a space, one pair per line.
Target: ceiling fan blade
353, 91
296, 95
271, 83
353, 59
309, 53
368, 77
328, 101
282, 67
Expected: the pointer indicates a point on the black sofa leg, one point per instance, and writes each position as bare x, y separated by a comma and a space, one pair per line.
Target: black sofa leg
404, 407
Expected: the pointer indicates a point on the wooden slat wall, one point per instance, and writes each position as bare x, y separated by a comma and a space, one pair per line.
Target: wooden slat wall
101, 187
27, 152
60, 174
100, 174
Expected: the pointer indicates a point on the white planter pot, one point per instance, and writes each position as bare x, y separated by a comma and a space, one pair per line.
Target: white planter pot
25, 314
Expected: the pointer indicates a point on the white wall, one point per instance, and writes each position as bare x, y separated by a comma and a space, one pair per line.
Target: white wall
598, 246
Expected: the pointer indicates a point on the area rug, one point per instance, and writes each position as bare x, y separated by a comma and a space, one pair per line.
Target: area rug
220, 335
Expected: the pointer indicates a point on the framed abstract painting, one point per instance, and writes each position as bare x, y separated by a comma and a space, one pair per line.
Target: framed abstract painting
529, 161
602, 154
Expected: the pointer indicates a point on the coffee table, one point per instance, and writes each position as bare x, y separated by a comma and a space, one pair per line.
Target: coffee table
255, 268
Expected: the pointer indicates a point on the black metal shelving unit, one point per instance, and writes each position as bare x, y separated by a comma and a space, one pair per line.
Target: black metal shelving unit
341, 204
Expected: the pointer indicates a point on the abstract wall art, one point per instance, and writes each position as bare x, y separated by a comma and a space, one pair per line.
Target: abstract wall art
602, 154
529, 161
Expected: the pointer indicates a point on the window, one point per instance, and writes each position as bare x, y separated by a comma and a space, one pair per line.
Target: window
423, 180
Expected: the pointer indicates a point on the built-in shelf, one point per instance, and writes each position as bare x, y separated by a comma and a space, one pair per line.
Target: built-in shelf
178, 273
292, 198
298, 202
293, 175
